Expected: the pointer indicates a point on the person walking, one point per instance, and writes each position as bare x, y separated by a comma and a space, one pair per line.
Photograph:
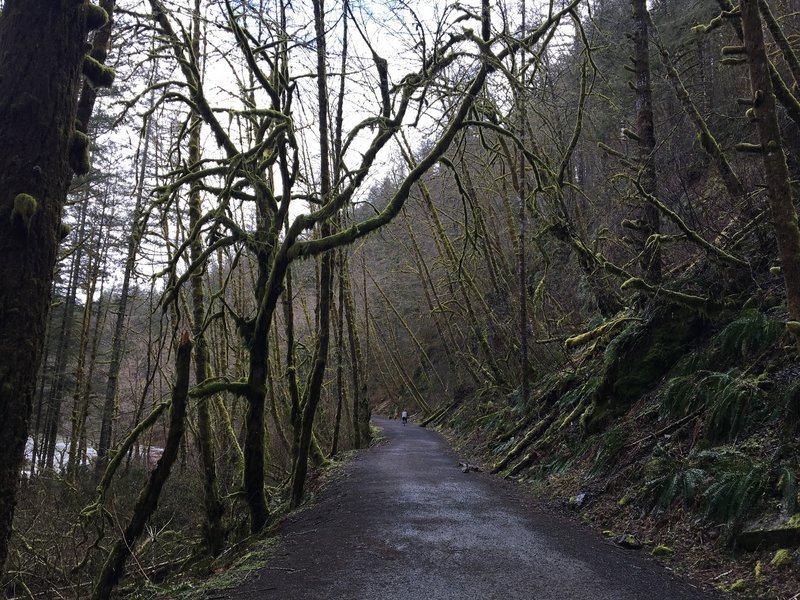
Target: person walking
404, 416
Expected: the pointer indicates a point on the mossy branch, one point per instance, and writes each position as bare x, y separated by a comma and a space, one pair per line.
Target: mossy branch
118, 454
96, 17
79, 160
97, 73
25, 208
589, 336
211, 387
714, 23
749, 148
782, 91
688, 231
707, 140
690, 301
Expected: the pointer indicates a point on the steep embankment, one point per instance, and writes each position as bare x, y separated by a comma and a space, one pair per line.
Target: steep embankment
670, 426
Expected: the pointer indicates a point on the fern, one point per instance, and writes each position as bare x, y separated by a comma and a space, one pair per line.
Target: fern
613, 444
729, 401
788, 409
671, 480
492, 420
679, 396
751, 332
732, 496
504, 446
682, 485
691, 363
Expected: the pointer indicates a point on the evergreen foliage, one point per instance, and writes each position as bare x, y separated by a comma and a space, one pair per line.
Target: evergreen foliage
729, 401
750, 333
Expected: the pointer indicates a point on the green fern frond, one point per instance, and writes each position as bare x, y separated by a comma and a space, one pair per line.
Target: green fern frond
730, 401
752, 332
679, 396
613, 443
734, 495
683, 485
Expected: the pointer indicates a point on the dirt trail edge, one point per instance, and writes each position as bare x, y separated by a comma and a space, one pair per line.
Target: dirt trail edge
403, 522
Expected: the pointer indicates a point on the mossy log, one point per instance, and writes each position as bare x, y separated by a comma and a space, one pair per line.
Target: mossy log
532, 436
582, 339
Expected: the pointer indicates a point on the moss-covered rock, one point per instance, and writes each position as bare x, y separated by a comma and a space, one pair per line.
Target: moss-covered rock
629, 541
663, 552
784, 535
739, 586
782, 558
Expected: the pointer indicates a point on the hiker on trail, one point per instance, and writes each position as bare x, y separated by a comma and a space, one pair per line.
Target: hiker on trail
404, 416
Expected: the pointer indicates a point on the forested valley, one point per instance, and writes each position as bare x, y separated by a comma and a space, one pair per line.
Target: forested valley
563, 233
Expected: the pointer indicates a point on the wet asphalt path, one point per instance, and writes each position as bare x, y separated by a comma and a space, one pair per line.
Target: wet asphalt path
403, 522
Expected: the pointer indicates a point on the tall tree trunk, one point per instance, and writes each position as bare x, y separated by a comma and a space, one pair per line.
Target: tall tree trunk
41, 53
53, 411
118, 337
784, 216
314, 387
522, 273
291, 368
99, 325
340, 387
213, 532
646, 142
92, 275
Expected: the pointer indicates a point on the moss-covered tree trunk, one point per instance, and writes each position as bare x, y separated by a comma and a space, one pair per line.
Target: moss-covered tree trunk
147, 502
41, 53
360, 412
314, 389
646, 142
341, 390
782, 211
213, 531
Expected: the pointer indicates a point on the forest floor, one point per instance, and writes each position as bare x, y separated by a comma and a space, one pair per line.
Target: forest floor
402, 520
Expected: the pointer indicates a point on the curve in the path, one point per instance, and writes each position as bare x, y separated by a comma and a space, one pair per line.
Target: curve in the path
403, 522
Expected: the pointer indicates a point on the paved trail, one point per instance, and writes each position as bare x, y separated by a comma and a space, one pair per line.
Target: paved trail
403, 522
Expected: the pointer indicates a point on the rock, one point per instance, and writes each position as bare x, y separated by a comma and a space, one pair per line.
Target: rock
663, 552
609, 534
786, 535
781, 559
576, 502
467, 467
629, 541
